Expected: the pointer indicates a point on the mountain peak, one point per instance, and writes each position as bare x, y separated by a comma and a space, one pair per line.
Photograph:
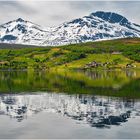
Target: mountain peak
20, 20
110, 17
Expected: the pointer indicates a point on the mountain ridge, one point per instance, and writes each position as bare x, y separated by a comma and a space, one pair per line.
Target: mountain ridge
97, 26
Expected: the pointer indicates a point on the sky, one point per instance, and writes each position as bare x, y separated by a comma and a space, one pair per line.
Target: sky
53, 13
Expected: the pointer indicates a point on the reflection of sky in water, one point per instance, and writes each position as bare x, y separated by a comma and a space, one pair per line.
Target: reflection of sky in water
97, 111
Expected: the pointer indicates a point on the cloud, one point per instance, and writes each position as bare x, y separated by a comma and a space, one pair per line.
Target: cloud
10, 10
127, 8
51, 13
14, 6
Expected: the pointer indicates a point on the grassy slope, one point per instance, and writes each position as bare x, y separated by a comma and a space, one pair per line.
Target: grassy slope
98, 58
71, 56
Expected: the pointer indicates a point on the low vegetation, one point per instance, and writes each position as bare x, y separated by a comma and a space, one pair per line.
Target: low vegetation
112, 54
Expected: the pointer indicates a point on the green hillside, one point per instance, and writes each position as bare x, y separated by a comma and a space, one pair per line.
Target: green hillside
112, 54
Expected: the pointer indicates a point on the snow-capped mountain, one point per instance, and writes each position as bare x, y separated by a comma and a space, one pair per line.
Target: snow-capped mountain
22, 32
97, 26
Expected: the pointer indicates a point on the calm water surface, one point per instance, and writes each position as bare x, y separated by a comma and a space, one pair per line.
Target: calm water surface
70, 104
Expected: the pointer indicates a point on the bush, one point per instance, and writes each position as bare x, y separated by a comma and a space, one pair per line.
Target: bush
58, 53
74, 56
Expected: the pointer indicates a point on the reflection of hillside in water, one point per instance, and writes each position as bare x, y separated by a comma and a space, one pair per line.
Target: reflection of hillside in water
108, 74
97, 111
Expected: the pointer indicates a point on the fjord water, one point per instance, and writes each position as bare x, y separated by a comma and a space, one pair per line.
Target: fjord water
81, 104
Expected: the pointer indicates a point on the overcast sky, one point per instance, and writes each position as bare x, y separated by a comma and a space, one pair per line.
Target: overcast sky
53, 13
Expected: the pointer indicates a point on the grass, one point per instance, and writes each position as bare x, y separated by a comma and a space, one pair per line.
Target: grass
74, 56
102, 58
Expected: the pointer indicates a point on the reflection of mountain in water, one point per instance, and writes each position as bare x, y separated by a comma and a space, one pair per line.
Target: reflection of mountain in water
95, 110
